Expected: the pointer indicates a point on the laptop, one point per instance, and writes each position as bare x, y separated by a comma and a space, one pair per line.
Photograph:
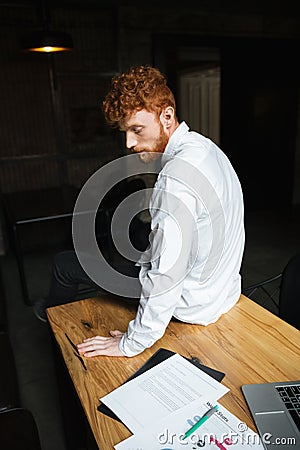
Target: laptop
275, 408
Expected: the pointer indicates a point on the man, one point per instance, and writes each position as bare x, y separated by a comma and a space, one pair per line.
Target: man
191, 270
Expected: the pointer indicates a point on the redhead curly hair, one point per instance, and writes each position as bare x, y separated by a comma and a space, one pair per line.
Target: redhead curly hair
142, 87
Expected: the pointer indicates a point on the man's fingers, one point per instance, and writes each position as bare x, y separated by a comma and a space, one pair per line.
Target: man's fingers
92, 344
100, 345
102, 352
92, 339
116, 333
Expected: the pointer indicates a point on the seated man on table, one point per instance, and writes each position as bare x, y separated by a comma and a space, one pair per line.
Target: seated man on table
191, 269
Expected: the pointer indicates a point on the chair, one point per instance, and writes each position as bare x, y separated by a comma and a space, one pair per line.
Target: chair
53, 206
289, 299
9, 390
18, 430
283, 290
34, 209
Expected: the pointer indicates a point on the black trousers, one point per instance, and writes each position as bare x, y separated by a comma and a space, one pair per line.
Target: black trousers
68, 274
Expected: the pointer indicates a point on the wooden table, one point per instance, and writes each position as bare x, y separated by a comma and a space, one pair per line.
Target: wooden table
249, 344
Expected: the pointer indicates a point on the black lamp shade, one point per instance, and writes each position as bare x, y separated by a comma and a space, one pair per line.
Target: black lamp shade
46, 41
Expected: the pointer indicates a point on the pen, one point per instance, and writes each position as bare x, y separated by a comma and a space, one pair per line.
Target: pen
203, 419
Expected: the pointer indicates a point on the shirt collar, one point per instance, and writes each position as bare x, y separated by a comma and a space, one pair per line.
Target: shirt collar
173, 145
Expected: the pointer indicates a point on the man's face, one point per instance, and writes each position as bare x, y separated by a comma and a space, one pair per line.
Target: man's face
145, 135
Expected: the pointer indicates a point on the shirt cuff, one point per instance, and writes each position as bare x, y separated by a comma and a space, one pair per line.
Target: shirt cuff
129, 347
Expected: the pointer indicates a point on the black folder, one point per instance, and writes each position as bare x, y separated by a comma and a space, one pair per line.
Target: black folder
155, 359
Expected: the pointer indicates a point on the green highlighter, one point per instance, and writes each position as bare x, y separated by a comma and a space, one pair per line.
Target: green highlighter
201, 421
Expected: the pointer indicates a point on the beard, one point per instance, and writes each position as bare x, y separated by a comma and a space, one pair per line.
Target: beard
159, 146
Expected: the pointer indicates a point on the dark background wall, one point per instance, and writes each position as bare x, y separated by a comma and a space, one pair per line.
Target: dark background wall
52, 128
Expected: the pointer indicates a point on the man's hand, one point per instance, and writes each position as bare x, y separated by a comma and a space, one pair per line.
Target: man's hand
100, 345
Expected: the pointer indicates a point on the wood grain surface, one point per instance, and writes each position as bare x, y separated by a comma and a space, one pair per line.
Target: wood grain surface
248, 343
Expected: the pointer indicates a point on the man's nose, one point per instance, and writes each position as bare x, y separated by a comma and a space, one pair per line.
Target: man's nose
130, 140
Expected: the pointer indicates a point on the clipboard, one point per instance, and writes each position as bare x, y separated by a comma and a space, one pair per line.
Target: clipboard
161, 355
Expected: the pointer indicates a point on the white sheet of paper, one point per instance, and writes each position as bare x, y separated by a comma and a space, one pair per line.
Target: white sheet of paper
163, 389
221, 431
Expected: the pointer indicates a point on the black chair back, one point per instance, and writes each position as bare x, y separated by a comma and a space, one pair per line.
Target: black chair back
18, 430
289, 297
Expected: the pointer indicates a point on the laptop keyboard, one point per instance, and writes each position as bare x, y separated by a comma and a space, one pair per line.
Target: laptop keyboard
290, 395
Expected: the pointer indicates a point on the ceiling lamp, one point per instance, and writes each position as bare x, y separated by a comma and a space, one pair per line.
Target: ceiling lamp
47, 41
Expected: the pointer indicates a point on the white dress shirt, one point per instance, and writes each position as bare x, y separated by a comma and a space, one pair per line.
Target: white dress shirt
191, 268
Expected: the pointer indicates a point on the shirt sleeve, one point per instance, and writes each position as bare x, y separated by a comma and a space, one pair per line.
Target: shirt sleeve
173, 223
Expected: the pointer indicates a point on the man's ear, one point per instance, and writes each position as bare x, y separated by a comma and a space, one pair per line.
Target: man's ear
167, 117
